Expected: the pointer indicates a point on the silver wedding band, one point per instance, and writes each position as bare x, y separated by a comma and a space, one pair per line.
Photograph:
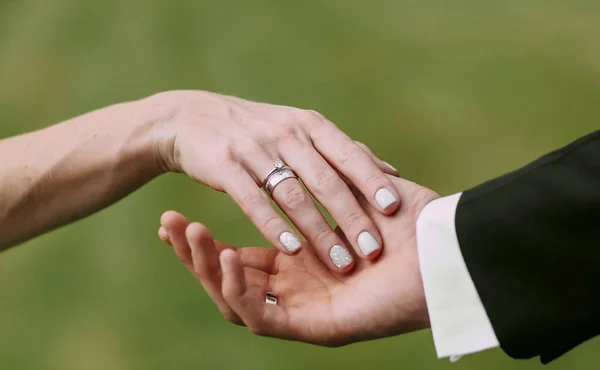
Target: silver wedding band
271, 298
278, 174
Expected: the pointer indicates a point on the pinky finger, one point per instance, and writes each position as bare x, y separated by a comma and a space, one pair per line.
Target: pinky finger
383, 165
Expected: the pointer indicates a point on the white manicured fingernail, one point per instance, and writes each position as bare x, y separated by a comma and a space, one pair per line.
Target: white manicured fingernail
390, 166
385, 198
367, 243
340, 256
290, 241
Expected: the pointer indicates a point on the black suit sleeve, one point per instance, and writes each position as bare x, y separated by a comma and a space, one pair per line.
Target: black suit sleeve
531, 242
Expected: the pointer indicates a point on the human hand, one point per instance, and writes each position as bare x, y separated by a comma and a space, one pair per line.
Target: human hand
231, 144
316, 305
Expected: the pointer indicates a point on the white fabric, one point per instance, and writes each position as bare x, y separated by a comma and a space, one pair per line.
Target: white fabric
459, 323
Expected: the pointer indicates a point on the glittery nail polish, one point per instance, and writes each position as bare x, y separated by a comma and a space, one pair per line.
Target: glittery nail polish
290, 241
340, 256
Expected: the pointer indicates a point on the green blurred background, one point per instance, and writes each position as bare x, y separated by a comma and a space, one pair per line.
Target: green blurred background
451, 93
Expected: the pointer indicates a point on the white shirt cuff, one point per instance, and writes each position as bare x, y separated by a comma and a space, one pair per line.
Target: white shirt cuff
459, 323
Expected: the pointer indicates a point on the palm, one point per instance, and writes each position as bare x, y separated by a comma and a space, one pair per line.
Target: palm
377, 299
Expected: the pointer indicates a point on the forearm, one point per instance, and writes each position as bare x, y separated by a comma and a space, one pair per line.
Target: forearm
65, 172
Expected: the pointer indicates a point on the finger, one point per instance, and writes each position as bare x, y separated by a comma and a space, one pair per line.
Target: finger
260, 258
263, 259
248, 300
207, 269
383, 165
349, 159
256, 205
164, 235
329, 189
302, 211
297, 204
175, 224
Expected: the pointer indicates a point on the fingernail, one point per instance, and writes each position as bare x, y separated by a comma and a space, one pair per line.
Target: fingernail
385, 198
390, 166
340, 256
367, 243
290, 241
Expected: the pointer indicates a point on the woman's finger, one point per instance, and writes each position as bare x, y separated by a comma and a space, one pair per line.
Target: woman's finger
302, 211
297, 204
383, 165
257, 206
332, 192
354, 163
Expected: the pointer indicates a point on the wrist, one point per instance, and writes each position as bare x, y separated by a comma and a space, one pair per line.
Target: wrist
169, 113
158, 113
134, 137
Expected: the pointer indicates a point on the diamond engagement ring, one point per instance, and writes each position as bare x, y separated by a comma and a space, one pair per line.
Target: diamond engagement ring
279, 173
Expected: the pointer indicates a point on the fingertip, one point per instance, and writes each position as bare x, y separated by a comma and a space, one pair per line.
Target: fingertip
164, 235
387, 200
197, 232
389, 169
374, 255
170, 219
290, 243
341, 259
369, 245
347, 268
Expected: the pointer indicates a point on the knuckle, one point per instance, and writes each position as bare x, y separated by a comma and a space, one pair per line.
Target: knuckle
310, 118
247, 146
322, 232
251, 200
326, 180
377, 180
284, 132
271, 223
350, 152
295, 198
354, 218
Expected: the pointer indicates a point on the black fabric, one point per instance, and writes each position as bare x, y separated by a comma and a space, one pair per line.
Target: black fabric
531, 242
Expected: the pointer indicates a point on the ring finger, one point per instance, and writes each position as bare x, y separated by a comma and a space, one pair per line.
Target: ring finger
297, 204
331, 191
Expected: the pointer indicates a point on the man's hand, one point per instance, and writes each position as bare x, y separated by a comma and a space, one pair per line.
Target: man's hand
377, 299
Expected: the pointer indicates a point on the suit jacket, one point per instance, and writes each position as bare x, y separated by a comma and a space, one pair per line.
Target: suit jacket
531, 243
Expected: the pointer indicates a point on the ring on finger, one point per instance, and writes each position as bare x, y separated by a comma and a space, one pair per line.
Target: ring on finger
280, 173
271, 298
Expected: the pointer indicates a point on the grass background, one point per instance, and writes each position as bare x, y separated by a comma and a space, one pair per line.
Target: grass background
451, 93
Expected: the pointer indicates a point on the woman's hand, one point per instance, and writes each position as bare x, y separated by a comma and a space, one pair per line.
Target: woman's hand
315, 305
231, 145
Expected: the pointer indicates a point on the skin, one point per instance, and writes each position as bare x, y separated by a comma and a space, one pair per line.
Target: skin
70, 170
316, 305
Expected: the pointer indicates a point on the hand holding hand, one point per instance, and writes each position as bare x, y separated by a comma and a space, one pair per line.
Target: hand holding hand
316, 305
